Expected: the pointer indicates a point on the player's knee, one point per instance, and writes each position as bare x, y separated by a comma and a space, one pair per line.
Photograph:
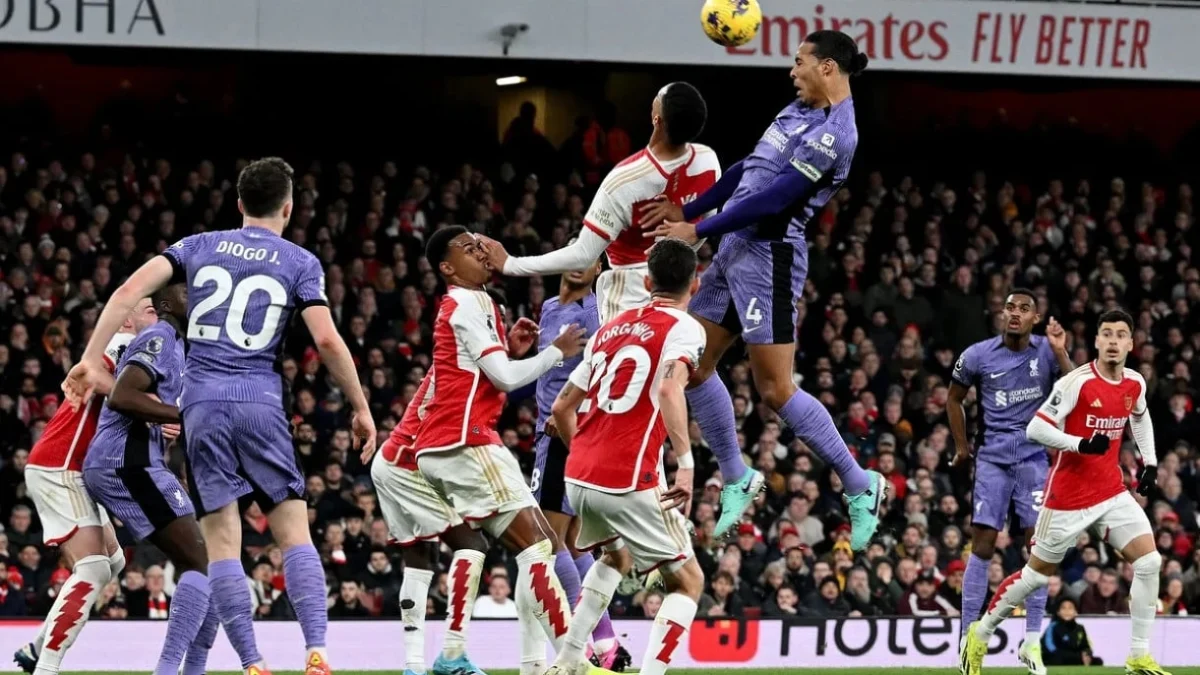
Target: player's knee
775, 392
116, 563
983, 544
704, 371
94, 569
687, 579
1148, 565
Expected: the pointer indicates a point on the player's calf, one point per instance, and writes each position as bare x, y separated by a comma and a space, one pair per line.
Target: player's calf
71, 610
686, 584
596, 594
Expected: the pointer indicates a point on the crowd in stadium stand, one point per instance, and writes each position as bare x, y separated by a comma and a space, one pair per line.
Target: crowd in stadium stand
903, 276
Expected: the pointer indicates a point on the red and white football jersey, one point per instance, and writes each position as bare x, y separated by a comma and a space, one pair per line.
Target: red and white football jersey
620, 436
1082, 404
397, 450
68, 434
637, 180
462, 406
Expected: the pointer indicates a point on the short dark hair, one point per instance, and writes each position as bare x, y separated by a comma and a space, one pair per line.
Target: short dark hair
439, 243
163, 295
841, 48
672, 266
264, 186
684, 112
1115, 316
1022, 291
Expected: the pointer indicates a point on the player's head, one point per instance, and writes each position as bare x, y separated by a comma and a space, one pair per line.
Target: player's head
680, 111
265, 190
1020, 313
1114, 337
825, 57
142, 317
672, 266
577, 279
458, 256
171, 300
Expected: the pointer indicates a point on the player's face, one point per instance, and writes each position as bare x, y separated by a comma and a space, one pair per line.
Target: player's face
468, 260
808, 74
1114, 342
143, 315
1020, 315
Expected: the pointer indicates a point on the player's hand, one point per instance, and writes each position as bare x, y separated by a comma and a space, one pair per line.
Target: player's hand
496, 254
571, 341
362, 428
680, 494
961, 457
1056, 335
82, 381
551, 429
1096, 445
681, 230
521, 337
659, 210
1147, 480
170, 431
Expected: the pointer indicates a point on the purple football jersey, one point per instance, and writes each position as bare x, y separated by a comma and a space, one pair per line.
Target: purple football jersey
555, 319
817, 142
124, 441
1010, 386
243, 287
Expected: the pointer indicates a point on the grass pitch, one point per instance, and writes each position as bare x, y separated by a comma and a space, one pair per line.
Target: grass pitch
1054, 670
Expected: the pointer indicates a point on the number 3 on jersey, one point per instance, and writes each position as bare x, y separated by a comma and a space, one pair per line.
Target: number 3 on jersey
235, 315
604, 373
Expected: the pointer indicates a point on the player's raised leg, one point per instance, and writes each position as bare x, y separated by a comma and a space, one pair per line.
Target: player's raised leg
709, 399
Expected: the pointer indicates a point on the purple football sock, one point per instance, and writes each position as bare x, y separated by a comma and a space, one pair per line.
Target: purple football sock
809, 420
1035, 609
975, 588
568, 575
604, 628
189, 606
196, 661
713, 409
231, 595
304, 578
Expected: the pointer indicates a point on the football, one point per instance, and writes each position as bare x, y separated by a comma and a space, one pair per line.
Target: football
731, 23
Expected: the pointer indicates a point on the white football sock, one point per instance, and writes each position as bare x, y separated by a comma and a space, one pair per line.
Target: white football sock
669, 632
599, 585
71, 610
539, 594
1011, 593
414, 594
463, 582
1143, 601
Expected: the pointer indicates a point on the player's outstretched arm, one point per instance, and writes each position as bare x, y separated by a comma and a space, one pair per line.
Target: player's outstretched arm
90, 375
783, 191
584, 251
130, 397
508, 375
673, 406
662, 209
336, 356
563, 411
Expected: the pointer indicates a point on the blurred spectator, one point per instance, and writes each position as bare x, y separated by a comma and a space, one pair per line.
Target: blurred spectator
1065, 642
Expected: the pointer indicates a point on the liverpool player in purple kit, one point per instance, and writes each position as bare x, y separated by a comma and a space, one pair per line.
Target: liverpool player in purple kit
758, 273
126, 473
574, 305
1012, 375
244, 287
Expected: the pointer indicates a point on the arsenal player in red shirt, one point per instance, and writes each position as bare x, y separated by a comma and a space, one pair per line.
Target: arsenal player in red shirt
1084, 420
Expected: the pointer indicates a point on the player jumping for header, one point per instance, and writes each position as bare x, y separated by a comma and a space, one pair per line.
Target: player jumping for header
244, 286
758, 274
1085, 420
126, 471
458, 449
629, 390
1012, 375
673, 168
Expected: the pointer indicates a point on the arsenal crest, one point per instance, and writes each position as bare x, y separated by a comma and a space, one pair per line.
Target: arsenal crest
1128, 401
